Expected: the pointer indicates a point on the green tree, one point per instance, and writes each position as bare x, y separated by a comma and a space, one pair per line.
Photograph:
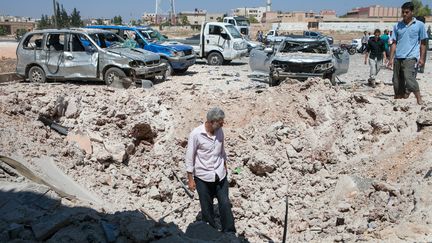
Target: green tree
2, 30
133, 22
75, 19
117, 20
44, 22
419, 9
99, 22
184, 20
252, 20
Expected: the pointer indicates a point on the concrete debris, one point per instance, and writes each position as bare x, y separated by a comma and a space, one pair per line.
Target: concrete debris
351, 162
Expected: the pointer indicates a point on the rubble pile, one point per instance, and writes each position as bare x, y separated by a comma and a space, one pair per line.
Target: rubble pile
352, 164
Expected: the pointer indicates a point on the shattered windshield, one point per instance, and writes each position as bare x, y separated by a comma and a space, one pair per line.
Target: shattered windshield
233, 31
107, 39
153, 34
242, 22
306, 47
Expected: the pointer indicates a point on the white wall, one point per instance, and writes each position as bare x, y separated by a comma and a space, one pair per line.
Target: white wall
336, 26
355, 26
290, 26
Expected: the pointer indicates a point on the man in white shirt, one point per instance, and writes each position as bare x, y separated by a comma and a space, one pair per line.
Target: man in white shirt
206, 169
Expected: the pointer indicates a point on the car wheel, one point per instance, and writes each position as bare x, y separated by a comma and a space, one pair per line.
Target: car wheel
352, 51
215, 59
180, 71
36, 75
114, 76
169, 70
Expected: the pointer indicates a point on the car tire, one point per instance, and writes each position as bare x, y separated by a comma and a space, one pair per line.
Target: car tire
114, 76
352, 51
169, 72
215, 59
37, 75
273, 82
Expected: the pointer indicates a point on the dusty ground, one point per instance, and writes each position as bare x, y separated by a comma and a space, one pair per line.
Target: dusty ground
352, 161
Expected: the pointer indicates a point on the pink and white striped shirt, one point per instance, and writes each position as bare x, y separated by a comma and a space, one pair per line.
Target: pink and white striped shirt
205, 155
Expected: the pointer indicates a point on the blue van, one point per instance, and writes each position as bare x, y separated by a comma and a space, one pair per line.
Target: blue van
178, 57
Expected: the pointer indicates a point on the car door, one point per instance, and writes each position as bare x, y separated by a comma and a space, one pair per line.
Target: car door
80, 57
341, 61
259, 61
54, 54
214, 39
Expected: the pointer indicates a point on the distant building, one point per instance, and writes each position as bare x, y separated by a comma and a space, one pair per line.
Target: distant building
149, 18
13, 23
195, 18
256, 12
374, 11
295, 16
325, 14
214, 17
93, 21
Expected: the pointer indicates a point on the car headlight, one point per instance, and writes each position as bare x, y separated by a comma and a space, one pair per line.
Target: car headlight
136, 63
177, 53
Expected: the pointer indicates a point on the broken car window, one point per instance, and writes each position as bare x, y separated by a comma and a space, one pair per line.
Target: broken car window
307, 47
33, 42
106, 39
233, 31
55, 42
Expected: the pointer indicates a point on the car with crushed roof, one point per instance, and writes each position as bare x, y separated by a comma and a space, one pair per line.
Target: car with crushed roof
298, 58
83, 54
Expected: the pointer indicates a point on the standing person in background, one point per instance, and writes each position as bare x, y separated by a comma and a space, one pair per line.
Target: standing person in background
407, 53
364, 41
375, 50
385, 38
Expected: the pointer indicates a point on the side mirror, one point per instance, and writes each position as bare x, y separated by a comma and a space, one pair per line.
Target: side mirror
225, 36
268, 50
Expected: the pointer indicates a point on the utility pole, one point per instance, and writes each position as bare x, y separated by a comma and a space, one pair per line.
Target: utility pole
55, 14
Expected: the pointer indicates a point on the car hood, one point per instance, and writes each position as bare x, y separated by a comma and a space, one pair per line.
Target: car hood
172, 46
303, 57
135, 53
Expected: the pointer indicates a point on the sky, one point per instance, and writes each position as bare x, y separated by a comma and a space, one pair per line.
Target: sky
133, 9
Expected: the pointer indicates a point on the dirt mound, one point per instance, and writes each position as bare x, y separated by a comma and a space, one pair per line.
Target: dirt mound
351, 161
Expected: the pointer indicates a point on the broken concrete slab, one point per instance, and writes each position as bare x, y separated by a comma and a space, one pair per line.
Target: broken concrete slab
83, 141
46, 226
348, 187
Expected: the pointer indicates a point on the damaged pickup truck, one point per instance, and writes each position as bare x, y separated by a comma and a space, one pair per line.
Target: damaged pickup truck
299, 58
83, 55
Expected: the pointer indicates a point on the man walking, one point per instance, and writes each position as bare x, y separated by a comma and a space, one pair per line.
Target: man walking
364, 41
385, 38
375, 50
207, 170
407, 53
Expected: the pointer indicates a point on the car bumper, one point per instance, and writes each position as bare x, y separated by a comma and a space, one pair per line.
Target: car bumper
150, 71
280, 75
182, 62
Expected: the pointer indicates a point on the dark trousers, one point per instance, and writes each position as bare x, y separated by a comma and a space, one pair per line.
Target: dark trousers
207, 191
404, 76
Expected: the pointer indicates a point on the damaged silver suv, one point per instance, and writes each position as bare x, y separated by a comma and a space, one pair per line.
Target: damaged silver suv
83, 55
299, 58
